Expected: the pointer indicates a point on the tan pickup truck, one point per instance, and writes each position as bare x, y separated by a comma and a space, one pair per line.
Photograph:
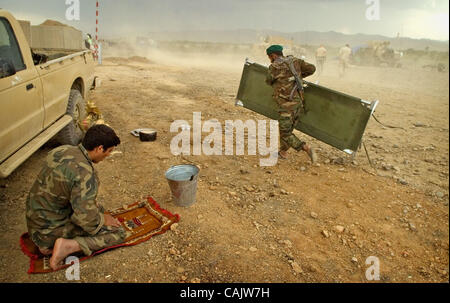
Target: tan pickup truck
38, 101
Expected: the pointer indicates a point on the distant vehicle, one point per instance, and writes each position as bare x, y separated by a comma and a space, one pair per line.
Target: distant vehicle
376, 53
440, 67
41, 96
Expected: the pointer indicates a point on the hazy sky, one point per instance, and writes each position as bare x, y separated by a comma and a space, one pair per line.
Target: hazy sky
411, 18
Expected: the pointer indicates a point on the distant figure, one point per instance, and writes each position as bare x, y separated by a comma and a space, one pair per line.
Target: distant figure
321, 56
88, 42
344, 57
93, 46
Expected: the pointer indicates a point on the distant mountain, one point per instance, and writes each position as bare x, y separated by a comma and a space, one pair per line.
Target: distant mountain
330, 38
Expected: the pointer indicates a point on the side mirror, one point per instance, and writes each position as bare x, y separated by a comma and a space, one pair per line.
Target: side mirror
6, 68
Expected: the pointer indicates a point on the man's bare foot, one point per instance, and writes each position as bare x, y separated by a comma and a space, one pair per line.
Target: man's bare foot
282, 154
61, 249
45, 251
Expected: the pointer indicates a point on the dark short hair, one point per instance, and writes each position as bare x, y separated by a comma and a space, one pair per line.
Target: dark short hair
278, 53
100, 135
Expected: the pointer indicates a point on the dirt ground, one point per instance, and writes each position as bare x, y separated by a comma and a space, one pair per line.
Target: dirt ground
293, 222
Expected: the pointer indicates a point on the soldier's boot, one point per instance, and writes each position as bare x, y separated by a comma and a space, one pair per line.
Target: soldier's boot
282, 154
311, 153
284, 147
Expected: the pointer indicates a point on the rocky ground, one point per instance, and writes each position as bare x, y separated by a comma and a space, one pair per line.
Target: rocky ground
293, 222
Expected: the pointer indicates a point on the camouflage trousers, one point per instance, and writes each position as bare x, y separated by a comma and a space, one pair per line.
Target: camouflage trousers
107, 236
286, 124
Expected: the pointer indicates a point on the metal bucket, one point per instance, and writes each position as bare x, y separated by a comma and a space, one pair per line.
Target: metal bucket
183, 183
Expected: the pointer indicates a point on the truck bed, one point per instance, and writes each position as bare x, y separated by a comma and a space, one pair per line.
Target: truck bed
53, 54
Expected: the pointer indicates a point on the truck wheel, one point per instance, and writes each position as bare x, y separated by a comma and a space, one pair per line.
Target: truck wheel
72, 133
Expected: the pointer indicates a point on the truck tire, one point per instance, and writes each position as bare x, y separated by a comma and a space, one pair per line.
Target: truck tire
72, 133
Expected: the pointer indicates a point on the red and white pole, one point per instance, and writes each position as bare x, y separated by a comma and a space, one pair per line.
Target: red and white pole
96, 31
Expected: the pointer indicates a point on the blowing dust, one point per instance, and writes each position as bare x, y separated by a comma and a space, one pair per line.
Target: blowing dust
188, 55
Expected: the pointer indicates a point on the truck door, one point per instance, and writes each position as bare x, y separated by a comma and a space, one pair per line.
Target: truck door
21, 100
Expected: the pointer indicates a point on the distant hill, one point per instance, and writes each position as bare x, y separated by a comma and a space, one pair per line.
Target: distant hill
330, 38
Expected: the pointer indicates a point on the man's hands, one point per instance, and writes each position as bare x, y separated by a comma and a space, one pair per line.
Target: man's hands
111, 221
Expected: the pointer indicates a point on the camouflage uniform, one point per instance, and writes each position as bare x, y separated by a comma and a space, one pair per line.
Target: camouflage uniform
288, 100
62, 203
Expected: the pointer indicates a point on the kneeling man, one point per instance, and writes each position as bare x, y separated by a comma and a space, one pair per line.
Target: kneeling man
63, 216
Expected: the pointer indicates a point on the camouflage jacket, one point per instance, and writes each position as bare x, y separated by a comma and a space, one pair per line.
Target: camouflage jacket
283, 81
65, 192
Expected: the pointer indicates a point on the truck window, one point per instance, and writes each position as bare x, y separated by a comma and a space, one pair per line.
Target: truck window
9, 48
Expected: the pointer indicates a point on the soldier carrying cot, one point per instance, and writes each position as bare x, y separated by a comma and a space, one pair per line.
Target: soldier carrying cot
282, 75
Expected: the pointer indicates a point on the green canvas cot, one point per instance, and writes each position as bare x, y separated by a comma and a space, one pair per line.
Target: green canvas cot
332, 117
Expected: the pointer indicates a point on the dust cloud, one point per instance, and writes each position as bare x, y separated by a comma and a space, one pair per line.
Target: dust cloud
209, 56
417, 69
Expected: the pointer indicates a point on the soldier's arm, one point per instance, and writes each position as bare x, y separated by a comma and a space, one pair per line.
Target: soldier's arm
307, 68
86, 213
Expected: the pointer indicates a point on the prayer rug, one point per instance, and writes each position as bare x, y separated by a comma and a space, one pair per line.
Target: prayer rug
141, 221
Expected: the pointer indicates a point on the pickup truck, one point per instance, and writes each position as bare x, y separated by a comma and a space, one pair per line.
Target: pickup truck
41, 97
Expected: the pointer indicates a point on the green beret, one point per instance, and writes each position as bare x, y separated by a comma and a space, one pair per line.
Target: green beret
274, 48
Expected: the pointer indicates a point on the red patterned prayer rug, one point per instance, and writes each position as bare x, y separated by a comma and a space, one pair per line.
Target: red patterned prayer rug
141, 221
